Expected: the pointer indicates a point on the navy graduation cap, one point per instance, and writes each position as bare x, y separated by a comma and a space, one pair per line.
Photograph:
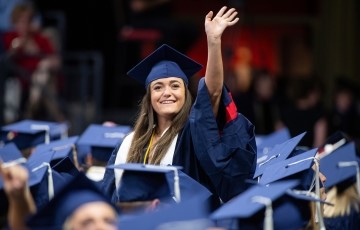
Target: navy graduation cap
101, 140
265, 142
277, 154
76, 192
45, 180
289, 167
341, 166
140, 182
192, 213
29, 133
282, 211
10, 152
162, 63
59, 150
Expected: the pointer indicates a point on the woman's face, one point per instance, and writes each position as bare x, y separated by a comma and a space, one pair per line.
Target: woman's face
94, 215
167, 96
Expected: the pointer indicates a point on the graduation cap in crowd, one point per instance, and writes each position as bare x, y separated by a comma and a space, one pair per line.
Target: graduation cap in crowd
59, 150
45, 179
10, 153
265, 142
277, 154
75, 193
190, 214
140, 182
289, 168
164, 62
29, 133
341, 167
333, 142
101, 140
267, 207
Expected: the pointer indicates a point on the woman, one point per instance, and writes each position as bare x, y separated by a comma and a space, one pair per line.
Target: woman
212, 142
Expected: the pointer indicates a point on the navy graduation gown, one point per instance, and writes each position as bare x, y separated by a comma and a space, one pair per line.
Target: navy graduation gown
220, 153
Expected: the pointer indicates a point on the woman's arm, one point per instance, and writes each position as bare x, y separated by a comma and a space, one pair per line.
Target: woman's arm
214, 76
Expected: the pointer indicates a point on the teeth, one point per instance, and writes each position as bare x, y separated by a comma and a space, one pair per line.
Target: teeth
166, 102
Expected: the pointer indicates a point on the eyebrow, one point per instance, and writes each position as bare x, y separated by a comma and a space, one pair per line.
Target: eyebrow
162, 83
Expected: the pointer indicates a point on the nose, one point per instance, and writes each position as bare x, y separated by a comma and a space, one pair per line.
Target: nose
167, 91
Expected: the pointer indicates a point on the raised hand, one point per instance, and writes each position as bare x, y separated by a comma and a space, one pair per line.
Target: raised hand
15, 180
214, 27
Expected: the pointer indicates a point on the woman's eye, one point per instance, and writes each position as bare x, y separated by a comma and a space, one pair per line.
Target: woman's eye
175, 86
157, 87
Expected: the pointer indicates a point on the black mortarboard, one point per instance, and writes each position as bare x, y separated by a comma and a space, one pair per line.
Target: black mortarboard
164, 62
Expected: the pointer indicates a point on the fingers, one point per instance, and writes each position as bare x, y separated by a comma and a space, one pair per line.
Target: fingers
221, 11
229, 16
209, 16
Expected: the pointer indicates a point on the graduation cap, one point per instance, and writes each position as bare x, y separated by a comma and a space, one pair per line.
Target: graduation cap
267, 207
101, 140
265, 142
190, 214
59, 150
10, 153
29, 133
277, 154
140, 182
162, 63
46, 180
341, 166
77, 191
289, 167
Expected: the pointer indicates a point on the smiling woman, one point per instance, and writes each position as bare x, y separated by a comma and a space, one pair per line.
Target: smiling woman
210, 140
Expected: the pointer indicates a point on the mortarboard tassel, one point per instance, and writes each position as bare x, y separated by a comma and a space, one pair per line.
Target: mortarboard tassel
318, 214
46, 128
176, 179
50, 178
268, 221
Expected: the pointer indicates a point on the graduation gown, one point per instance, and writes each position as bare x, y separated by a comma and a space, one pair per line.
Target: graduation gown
220, 153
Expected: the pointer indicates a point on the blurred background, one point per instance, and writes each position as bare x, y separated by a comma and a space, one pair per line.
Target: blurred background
288, 63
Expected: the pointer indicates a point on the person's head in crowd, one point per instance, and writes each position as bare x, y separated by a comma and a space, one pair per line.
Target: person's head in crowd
342, 169
22, 18
79, 205
344, 95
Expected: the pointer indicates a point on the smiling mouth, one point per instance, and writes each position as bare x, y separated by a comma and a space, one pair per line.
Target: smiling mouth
167, 102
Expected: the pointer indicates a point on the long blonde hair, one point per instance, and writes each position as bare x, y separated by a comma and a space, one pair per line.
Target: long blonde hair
144, 125
343, 201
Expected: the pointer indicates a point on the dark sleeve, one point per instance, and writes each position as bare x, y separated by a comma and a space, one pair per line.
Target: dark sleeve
226, 154
108, 183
